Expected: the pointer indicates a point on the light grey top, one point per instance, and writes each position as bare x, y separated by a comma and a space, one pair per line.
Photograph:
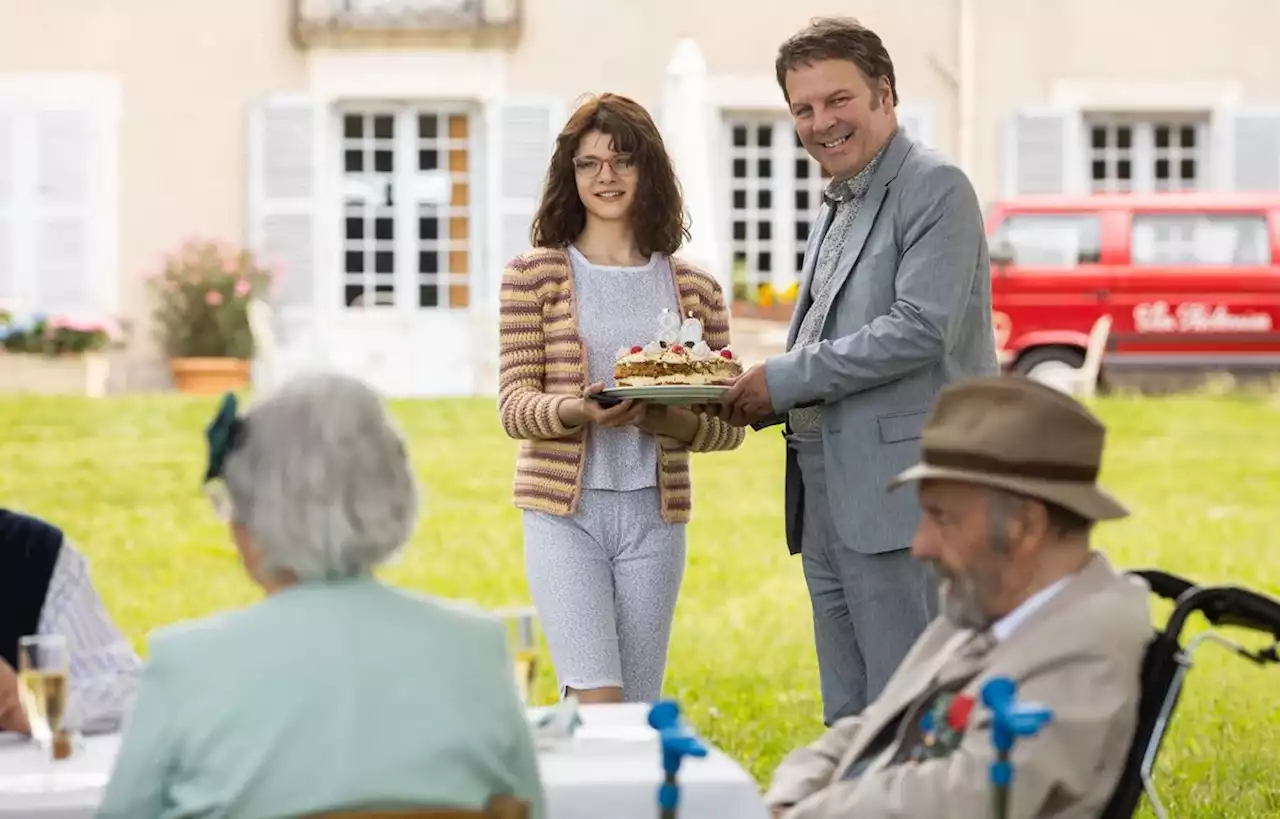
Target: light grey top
618, 307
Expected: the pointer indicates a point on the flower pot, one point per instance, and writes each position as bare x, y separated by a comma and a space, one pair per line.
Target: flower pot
775, 311
84, 374
205, 376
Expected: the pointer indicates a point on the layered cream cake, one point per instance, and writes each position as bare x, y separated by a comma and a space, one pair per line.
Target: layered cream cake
683, 363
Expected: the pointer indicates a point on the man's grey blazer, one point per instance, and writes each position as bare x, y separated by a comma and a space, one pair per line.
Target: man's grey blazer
912, 314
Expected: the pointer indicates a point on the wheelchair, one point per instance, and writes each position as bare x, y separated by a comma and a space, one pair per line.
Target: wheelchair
1165, 666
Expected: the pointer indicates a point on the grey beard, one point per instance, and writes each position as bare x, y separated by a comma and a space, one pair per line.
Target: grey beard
958, 598
958, 603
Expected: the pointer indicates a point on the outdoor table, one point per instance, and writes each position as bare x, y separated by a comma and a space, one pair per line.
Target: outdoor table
612, 767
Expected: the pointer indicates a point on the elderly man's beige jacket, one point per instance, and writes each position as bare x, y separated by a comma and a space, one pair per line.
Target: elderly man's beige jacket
1080, 653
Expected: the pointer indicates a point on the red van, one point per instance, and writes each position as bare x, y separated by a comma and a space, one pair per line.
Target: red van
1189, 280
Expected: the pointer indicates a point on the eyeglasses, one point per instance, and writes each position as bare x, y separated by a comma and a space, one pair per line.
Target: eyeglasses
589, 166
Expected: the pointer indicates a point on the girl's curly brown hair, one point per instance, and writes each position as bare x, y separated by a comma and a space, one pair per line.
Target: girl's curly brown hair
657, 212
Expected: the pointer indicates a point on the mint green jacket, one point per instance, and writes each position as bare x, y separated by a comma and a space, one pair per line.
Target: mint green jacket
324, 696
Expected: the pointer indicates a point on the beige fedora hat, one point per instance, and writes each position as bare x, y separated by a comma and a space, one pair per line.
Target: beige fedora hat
1012, 433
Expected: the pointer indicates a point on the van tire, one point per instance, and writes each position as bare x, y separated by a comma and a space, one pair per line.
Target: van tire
1039, 361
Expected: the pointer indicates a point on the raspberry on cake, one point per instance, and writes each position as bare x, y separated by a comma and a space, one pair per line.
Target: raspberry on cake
678, 363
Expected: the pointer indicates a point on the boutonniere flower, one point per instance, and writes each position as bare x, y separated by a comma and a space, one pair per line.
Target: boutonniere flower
942, 727
958, 712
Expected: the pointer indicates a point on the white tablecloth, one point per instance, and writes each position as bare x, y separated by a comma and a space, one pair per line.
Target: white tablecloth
611, 768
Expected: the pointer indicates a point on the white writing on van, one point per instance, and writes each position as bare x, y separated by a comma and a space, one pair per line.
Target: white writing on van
1194, 317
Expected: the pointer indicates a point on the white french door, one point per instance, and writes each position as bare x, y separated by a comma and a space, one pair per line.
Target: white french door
409, 245
407, 215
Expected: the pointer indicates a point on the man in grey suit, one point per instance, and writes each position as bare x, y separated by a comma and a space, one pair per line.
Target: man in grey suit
894, 305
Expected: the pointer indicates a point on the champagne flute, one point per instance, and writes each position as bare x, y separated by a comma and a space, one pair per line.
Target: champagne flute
43, 666
522, 631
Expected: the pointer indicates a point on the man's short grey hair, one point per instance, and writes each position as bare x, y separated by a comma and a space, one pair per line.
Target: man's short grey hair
322, 480
1002, 503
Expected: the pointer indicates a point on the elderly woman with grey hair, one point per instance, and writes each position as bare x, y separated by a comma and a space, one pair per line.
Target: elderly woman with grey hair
335, 691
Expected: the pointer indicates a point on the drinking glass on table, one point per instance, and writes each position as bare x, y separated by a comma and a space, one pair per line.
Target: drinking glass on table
522, 631
43, 666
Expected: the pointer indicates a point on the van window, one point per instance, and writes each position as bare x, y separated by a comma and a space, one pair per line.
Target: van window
1200, 239
1048, 240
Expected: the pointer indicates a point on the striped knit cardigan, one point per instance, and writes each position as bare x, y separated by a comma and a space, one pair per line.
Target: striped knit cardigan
542, 363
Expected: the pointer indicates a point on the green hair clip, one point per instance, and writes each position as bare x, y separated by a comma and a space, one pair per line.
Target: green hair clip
224, 434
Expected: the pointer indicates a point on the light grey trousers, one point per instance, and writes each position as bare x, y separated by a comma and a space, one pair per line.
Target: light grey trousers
605, 583
868, 609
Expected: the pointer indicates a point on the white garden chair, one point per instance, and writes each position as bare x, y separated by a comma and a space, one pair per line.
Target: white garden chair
305, 348
266, 351
1082, 381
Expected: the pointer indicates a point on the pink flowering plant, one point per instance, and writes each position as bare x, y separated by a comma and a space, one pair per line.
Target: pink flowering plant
202, 300
56, 334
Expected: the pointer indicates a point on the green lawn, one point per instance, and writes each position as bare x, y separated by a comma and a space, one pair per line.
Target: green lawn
1202, 475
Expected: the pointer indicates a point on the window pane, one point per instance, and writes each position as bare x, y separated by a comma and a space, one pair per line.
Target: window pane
355, 227
1052, 241
1208, 240
428, 228
427, 127
353, 262
429, 263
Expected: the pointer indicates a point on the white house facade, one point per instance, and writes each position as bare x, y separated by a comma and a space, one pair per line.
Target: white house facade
389, 153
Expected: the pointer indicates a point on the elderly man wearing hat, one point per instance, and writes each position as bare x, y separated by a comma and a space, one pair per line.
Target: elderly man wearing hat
1007, 486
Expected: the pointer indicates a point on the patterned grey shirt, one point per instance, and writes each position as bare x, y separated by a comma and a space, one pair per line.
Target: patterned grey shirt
845, 198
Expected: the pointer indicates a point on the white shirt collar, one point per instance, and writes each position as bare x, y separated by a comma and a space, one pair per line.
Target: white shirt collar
1005, 626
